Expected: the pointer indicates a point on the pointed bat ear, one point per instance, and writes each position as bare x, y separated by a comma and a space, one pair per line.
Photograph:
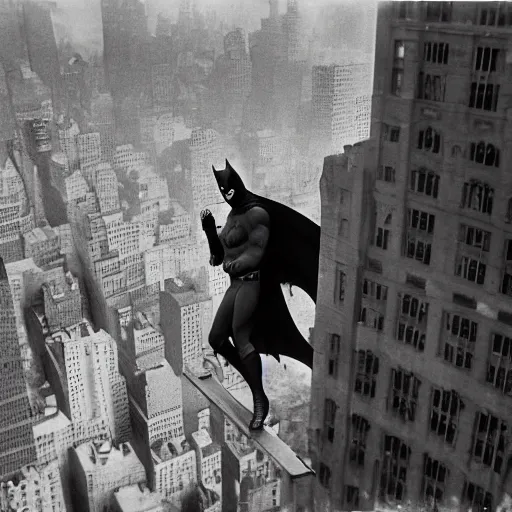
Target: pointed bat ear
228, 165
214, 170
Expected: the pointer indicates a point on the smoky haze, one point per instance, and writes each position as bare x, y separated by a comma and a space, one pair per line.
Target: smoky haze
343, 24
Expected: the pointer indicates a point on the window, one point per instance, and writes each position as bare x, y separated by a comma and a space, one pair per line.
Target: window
471, 269
475, 237
404, 394
486, 59
386, 173
366, 373
373, 304
334, 353
431, 87
489, 444
434, 478
359, 434
495, 14
438, 11
412, 321
499, 368
381, 240
476, 498
444, 414
419, 235
324, 475
341, 285
329, 418
374, 290
437, 53
484, 96
477, 196
429, 140
343, 230
508, 215
395, 462
397, 76
390, 133
425, 182
352, 496
486, 154
382, 234
459, 346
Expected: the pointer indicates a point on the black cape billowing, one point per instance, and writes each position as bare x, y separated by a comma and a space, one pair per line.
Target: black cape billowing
292, 257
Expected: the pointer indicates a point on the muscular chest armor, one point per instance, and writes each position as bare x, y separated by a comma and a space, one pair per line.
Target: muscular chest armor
234, 234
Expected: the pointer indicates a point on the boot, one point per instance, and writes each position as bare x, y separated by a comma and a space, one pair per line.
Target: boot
253, 375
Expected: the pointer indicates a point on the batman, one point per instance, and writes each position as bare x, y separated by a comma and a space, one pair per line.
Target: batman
262, 245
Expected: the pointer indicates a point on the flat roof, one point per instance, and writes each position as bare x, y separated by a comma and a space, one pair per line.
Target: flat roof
51, 425
266, 439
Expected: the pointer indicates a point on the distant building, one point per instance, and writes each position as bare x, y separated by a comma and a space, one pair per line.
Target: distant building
42, 245
62, 301
107, 189
76, 186
162, 84
16, 215
83, 368
37, 487
17, 441
138, 498
68, 132
59, 171
174, 225
205, 151
98, 469
248, 473
174, 469
185, 316
209, 461
102, 122
89, 149
339, 114
234, 69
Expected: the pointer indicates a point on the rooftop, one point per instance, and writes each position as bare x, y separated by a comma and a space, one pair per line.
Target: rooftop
51, 425
92, 455
205, 443
40, 235
60, 158
138, 498
21, 266
185, 292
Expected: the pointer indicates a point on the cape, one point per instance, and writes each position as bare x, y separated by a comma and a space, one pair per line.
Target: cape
291, 257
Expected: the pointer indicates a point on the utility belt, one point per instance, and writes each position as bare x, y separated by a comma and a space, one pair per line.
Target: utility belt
251, 276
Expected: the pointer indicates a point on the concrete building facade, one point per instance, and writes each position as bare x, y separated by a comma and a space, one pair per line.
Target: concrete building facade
413, 317
17, 441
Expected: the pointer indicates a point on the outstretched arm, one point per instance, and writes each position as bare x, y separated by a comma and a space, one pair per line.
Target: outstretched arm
211, 231
250, 259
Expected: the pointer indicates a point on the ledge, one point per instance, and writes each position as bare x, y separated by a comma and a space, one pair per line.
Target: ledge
267, 441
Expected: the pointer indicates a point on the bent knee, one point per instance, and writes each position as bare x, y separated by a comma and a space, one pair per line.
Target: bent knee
216, 338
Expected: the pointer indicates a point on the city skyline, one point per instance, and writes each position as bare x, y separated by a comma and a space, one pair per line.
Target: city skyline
385, 123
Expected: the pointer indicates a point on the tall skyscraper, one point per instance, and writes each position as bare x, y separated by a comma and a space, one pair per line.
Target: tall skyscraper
16, 440
337, 107
42, 46
16, 216
185, 313
412, 380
